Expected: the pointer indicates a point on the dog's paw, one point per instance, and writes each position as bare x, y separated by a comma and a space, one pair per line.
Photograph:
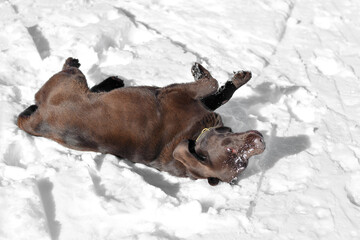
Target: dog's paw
199, 72
118, 82
71, 62
108, 84
240, 78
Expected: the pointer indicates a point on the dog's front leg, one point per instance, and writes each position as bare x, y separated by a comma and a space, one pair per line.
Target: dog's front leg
203, 86
224, 94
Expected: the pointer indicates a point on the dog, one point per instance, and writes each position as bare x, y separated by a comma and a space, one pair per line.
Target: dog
172, 129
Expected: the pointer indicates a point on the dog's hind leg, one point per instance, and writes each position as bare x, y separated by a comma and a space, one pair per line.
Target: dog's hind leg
65, 87
108, 84
105, 86
70, 81
224, 94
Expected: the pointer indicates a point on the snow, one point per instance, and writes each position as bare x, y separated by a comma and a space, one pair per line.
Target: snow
305, 60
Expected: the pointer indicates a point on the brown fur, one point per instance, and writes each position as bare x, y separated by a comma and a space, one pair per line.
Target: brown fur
148, 125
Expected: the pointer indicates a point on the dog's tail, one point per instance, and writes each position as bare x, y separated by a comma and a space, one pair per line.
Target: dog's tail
25, 120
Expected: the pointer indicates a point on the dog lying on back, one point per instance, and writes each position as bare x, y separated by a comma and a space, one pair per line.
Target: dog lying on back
172, 129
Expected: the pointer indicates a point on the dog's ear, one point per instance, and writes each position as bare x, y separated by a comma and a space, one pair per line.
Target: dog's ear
195, 166
182, 154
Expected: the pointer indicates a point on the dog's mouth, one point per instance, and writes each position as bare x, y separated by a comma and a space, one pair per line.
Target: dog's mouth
242, 159
241, 163
254, 145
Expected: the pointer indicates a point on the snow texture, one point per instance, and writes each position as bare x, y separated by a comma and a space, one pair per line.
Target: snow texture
304, 98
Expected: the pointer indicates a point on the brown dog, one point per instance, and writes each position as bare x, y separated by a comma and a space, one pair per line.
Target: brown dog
173, 129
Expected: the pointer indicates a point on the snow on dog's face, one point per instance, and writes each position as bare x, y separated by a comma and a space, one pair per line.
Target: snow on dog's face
219, 154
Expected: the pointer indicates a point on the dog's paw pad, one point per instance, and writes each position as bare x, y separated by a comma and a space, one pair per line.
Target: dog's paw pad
72, 62
199, 72
240, 78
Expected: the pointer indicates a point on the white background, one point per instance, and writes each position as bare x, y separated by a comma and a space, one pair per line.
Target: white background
304, 97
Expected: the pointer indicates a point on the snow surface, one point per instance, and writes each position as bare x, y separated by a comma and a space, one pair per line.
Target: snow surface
304, 97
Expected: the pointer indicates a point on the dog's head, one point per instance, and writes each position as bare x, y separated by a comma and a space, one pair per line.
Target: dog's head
219, 154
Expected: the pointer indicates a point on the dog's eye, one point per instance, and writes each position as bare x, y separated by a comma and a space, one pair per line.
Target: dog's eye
202, 158
223, 129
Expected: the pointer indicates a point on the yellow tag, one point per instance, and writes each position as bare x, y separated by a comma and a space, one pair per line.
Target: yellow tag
202, 132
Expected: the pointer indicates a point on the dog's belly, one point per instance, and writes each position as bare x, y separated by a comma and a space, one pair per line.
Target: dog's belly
130, 123
145, 123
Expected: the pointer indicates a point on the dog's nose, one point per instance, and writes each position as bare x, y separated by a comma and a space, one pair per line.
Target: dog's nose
255, 132
259, 143
257, 138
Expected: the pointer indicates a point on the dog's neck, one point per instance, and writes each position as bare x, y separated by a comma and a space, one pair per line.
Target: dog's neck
209, 121
203, 132
166, 159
